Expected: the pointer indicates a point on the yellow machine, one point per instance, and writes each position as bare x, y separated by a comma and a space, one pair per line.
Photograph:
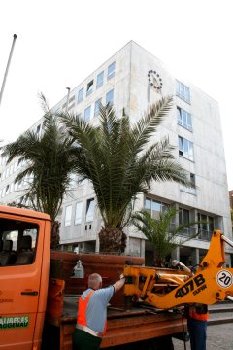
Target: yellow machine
168, 288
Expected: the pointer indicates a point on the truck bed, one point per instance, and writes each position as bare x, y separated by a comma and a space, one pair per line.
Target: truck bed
124, 326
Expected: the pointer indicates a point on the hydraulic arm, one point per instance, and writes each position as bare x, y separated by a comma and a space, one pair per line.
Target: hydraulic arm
168, 288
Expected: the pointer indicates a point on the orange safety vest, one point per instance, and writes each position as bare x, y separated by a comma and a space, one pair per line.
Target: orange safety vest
82, 308
197, 316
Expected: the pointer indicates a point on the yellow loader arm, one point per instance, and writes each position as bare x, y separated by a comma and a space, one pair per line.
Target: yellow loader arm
168, 288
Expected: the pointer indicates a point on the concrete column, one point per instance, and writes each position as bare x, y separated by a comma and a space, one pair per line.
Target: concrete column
219, 222
142, 248
97, 244
177, 214
196, 256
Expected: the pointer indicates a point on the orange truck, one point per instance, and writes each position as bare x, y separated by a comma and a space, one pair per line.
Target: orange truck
32, 304
24, 276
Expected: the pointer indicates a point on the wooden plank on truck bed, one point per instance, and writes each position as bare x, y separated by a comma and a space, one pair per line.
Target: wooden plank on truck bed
128, 326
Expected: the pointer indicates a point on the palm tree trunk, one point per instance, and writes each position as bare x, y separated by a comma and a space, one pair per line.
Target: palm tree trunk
112, 240
55, 236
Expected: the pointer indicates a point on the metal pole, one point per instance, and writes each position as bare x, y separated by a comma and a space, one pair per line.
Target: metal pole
7, 67
227, 240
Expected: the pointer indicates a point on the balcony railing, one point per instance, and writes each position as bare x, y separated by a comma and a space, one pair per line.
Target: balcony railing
205, 234
193, 232
187, 231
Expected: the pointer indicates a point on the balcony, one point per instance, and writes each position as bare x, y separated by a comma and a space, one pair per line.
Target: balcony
187, 231
205, 235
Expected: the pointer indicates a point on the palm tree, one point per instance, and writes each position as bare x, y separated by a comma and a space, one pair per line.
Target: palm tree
120, 159
49, 162
160, 232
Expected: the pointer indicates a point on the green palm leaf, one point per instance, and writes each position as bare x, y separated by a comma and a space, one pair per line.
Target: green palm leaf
160, 232
119, 159
49, 160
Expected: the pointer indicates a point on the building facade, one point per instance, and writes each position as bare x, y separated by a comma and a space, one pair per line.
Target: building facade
132, 80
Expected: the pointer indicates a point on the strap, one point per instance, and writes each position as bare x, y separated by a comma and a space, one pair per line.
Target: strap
197, 316
88, 330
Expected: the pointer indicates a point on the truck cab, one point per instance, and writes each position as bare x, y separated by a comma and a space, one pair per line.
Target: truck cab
24, 275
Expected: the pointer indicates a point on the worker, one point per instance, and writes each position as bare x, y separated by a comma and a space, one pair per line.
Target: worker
197, 317
92, 313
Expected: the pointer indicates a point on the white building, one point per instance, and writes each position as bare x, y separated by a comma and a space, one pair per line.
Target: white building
133, 79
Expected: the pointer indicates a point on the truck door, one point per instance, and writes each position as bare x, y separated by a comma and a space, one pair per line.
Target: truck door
21, 257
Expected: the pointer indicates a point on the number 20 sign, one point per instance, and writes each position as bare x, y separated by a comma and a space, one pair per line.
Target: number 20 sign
224, 278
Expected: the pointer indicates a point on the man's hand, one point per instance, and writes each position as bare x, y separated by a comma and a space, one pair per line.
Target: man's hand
182, 265
119, 284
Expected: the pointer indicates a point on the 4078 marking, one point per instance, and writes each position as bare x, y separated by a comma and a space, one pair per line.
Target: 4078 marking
188, 287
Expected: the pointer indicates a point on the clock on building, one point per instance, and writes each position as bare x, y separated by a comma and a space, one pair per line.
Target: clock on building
154, 80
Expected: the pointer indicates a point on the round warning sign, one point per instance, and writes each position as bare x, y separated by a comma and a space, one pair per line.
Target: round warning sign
224, 278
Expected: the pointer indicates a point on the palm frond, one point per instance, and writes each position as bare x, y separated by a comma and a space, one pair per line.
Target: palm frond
49, 159
159, 231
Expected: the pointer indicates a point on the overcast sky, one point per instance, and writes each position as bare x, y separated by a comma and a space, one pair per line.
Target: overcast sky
61, 42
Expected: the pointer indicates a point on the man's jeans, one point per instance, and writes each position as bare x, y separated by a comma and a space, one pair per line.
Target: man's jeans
197, 332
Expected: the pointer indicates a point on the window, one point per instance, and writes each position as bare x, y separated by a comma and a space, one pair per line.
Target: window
205, 226
185, 148
111, 70
87, 114
183, 216
155, 207
191, 190
79, 116
110, 97
97, 107
100, 80
184, 219
80, 95
182, 91
89, 87
78, 213
184, 118
18, 240
90, 207
19, 183
38, 129
192, 179
72, 99
7, 189
68, 215
71, 106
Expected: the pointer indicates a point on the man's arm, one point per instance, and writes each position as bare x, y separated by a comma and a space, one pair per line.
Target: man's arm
183, 266
119, 284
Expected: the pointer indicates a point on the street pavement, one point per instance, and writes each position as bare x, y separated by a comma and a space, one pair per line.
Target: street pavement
219, 337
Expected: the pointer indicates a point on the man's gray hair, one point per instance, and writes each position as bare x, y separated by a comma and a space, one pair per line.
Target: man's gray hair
94, 281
